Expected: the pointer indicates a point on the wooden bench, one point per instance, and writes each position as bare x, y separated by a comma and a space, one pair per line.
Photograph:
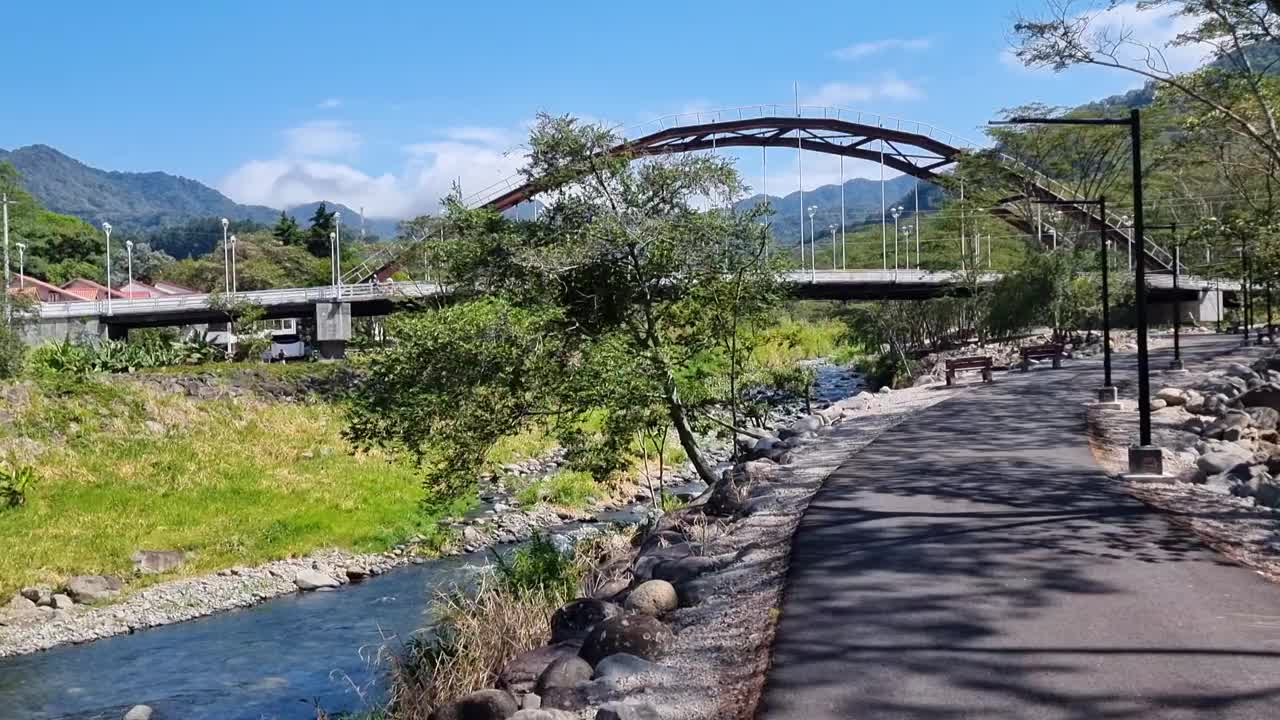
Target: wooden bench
975, 362
1037, 352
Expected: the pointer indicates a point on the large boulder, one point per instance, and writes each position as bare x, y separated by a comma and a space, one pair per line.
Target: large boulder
1239, 370
91, 588
479, 705
1222, 460
732, 492
575, 620
157, 561
314, 580
1263, 418
638, 635
655, 597
1232, 420
621, 665
1171, 396
564, 672
1193, 401
1265, 396
520, 675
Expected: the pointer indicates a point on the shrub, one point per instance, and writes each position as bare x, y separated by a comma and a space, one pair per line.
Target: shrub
15, 481
539, 566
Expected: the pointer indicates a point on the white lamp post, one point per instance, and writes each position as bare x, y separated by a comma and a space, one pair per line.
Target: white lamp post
832, 228
896, 212
232, 248
22, 265
128, 247
106, 229
906, 242
333, 265
337, 250
226, 258
813, 249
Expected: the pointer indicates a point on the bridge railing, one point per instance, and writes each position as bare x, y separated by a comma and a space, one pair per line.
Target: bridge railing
198, 302
1063, 192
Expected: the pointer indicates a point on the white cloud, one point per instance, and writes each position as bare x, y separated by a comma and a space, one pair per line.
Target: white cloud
889, 87
307, 171
285, 182
874, 47
329, 103
322, 138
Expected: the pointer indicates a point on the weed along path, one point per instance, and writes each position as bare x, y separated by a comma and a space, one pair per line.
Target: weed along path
974, 561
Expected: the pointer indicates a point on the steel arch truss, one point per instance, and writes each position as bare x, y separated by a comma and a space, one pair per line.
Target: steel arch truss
910, 153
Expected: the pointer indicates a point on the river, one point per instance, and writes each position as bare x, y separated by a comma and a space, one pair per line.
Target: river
278, 660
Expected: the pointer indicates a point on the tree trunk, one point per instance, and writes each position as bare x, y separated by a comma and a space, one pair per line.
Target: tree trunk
680, 420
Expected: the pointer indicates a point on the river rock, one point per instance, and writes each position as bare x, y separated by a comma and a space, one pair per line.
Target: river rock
621, 665
1264, 396
1222, 460
1171, 396
139, 712
479, 705
521, 674
628, 711
563, 672
655, 597
61, 602
544, 714
639, 635
89, 588
309, 579
20, 604
1263, 418
150, 562
575, 620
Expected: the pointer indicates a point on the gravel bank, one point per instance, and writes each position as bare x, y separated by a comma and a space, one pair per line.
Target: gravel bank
1237, 526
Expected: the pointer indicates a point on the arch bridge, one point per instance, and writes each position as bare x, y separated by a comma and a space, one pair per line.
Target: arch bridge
912, 148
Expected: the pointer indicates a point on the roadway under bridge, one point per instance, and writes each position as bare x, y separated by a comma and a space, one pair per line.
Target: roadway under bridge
329, 310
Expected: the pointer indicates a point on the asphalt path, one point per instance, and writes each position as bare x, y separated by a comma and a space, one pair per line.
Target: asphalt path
975, 562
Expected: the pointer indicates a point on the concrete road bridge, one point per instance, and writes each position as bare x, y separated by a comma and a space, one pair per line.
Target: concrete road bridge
333, 308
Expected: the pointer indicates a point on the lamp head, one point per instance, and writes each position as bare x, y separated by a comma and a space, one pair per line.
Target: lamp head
106, 227
225, 223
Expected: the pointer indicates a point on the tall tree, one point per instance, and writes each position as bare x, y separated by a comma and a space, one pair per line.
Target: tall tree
637, 272
322, 224
286, 230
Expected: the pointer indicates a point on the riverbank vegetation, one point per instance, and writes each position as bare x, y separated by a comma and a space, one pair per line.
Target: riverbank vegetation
122, 466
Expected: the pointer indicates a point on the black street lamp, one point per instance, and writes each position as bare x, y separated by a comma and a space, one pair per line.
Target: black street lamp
1107, 393
1145, 458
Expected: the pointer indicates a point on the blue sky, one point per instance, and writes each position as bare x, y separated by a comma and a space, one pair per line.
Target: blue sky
382, 104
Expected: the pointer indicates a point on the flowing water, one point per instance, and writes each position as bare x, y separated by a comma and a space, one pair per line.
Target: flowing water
277, 660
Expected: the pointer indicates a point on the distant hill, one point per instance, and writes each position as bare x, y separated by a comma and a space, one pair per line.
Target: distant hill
145, 201
861, 203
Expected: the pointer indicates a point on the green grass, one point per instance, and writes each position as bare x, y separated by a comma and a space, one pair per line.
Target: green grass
566, 488
232, 481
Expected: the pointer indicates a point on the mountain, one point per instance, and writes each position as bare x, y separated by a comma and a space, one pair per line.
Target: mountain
145, 201
861, 203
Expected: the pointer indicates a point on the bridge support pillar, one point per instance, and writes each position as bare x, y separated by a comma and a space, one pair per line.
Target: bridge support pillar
333, 329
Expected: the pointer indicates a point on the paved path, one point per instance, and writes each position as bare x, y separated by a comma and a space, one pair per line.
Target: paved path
974, 562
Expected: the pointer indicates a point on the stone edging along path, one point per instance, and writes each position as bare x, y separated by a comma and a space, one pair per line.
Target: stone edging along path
685, 629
